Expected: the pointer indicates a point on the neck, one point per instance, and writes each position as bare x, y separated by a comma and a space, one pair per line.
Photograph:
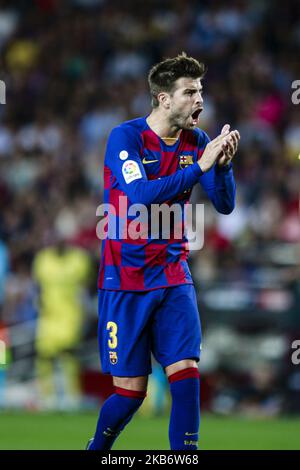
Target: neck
160, 124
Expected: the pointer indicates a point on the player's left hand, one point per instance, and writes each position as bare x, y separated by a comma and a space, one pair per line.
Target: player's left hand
230, 148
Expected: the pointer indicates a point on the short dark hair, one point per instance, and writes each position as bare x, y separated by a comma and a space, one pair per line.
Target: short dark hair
163, 75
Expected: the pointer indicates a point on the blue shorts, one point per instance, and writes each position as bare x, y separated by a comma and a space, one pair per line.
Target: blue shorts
132, 325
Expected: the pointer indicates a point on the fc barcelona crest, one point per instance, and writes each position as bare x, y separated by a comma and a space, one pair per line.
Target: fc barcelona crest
185, 160
113, 357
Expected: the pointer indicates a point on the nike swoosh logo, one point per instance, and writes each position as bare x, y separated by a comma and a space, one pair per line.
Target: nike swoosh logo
191, 433
148, 161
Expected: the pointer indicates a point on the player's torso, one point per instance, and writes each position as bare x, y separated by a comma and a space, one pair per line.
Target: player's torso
152, 262
162, 157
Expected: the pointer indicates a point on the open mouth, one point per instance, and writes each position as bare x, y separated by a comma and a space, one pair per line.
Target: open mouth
195, 115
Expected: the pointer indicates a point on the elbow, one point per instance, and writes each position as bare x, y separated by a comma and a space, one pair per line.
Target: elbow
226, 205
226, 210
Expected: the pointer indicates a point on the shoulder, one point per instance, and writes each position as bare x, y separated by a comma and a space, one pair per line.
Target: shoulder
78, 255
202, 137
127, 138
45, 253
78, 252
42, 259
129, 129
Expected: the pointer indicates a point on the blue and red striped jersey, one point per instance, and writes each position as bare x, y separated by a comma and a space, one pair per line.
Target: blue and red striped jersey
140, 168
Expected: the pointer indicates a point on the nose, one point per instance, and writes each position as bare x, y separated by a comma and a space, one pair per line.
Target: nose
199, 99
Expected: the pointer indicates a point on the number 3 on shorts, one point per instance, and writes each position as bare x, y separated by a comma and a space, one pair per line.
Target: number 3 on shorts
113, 341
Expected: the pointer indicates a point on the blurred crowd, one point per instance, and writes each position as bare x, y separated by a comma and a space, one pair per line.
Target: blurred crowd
74, 69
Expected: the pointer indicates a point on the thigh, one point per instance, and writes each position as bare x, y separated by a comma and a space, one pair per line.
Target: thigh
124, 332
176, 331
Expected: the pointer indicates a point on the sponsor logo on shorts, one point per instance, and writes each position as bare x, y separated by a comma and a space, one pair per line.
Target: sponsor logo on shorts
113, 357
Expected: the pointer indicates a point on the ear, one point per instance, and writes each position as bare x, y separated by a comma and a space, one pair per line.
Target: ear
164, 99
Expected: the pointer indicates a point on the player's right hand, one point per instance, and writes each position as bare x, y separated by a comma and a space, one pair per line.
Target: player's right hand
214, 149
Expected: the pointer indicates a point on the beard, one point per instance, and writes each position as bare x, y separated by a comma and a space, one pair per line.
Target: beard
183, 121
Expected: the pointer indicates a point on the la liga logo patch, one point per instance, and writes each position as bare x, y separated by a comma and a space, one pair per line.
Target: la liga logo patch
129, 168
131, 171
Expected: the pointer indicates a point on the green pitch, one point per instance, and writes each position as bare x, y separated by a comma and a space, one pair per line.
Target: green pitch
71, 431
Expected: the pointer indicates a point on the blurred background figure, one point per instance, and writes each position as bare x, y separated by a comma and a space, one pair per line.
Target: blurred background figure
73, 70
4, 361
61, 272
4, 269
157, 402
4, 343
